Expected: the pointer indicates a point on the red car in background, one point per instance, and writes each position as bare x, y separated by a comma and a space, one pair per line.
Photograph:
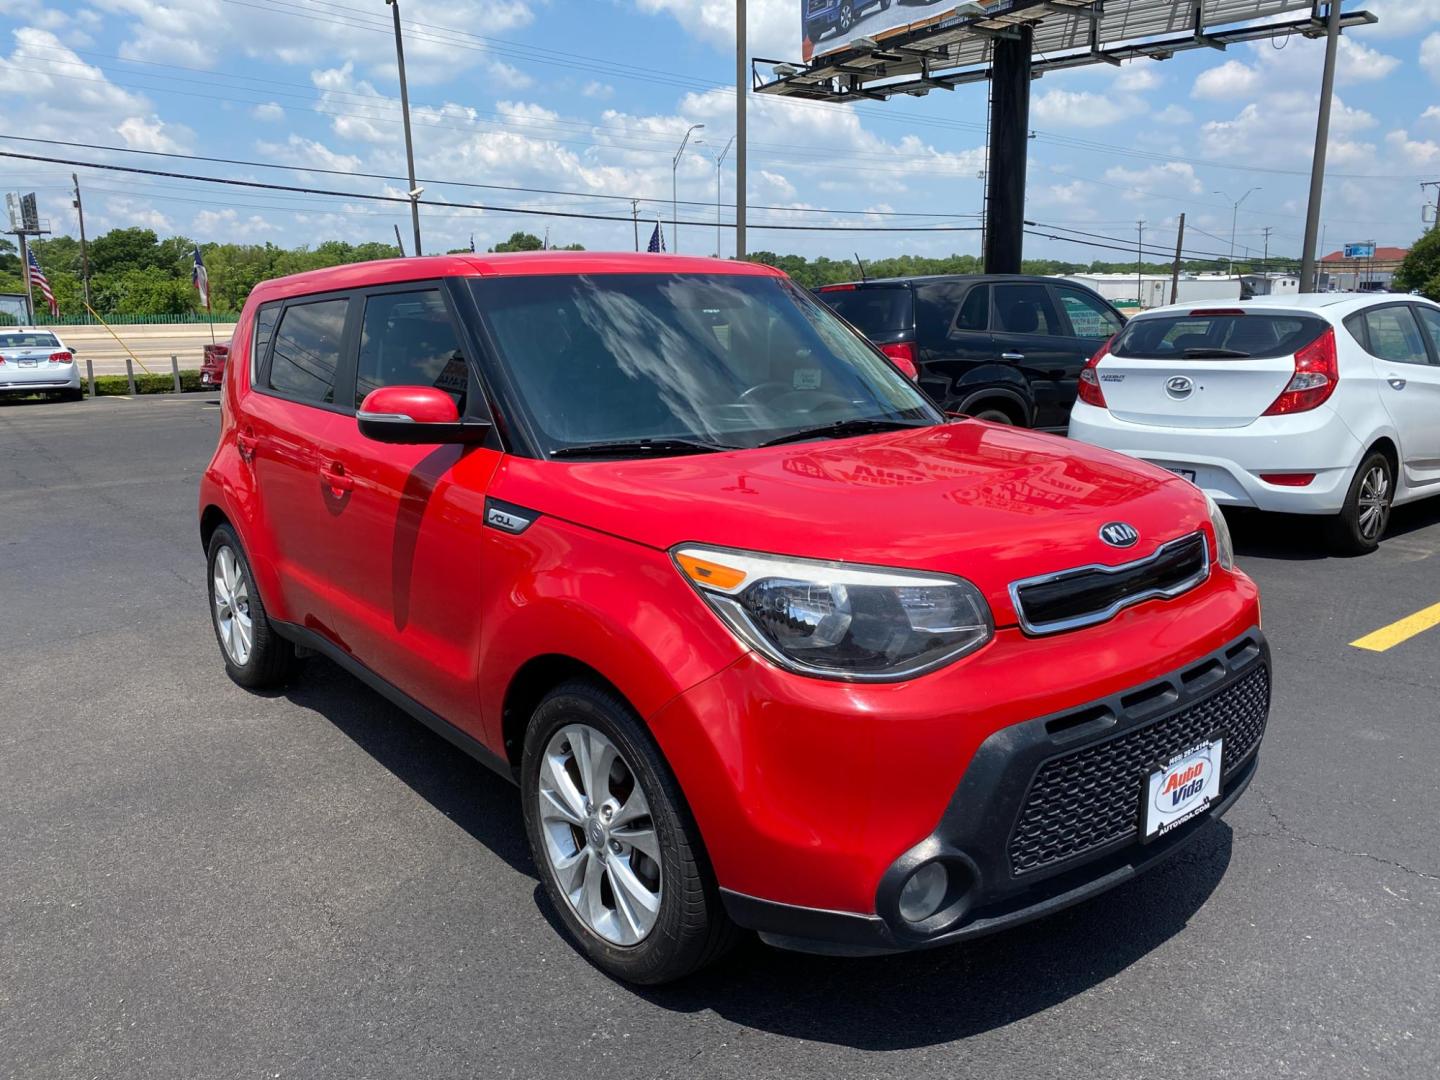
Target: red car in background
212, 368
766, 640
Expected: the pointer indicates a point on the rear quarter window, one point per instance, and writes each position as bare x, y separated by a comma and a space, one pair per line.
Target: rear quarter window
1178, 337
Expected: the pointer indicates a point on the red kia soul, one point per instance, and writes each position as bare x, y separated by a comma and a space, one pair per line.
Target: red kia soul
766, 639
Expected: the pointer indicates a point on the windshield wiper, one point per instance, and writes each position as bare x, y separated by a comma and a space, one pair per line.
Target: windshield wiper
640, 448
841, 429
1215, 354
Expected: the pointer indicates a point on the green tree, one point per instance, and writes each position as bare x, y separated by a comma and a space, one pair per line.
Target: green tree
144, 291
520, 241
1421, 268
120, 250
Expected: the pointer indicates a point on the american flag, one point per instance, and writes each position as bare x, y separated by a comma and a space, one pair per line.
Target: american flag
201, 279
657, 239
40, 281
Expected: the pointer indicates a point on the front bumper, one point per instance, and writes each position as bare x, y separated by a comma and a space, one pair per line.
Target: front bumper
998, 879
1228, 462
15, 379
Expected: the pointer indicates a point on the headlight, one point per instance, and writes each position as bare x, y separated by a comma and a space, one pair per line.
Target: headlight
1224, 546
839, 621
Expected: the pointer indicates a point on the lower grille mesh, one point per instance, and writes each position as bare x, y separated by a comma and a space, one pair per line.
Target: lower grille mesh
1091, 797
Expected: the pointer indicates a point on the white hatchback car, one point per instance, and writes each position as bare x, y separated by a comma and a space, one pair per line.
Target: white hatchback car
1319, 404
34, 361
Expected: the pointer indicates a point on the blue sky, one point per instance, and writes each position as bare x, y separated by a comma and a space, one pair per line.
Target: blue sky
591, 98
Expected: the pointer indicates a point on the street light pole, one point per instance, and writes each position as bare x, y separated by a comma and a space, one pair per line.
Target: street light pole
674, 196
415, 189
720, 164
1235, 219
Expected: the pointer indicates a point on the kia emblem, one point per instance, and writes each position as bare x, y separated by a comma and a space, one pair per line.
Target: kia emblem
1119, 534
1179, 387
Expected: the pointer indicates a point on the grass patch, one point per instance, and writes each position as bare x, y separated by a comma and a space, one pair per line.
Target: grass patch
118, 386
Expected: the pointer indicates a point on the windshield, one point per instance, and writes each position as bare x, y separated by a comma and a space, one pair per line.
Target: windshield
875, 310
723, 360
1216, 336
28, 341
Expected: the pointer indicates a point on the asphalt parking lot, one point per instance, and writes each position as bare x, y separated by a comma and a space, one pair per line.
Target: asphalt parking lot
202, 882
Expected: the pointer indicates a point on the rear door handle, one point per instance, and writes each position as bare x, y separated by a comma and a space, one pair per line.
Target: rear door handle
1012, 356
337, 478
1396, 383
246, 445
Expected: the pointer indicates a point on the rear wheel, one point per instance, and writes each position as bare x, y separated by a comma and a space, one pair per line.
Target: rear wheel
255, 655
617, 851
1359, 527
846, 17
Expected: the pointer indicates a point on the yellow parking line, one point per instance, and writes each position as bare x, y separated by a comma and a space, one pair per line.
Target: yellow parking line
1387, 637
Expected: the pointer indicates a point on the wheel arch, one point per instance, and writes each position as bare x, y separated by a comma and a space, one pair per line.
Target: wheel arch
527, 688
1007, 401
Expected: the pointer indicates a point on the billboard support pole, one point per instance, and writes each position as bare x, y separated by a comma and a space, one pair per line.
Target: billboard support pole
1009, 147
25, 264
741, 89
1308, 282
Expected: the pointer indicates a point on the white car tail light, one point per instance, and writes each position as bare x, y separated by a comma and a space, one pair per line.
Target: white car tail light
1090, 391
1317, 373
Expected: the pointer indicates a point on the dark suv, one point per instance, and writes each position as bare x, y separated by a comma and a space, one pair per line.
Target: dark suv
1001, 347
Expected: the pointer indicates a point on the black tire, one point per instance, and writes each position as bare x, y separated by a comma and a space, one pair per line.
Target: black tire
691, 928
270, 659
73, 395
1354, 531
846, 17
995, 416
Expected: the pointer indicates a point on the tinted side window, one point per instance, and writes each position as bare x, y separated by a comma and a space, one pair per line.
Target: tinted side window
264, 327
1430, 321
1025, 309
1394, 335
307, 350
935, 305
407, 340
974, 313
1089, 317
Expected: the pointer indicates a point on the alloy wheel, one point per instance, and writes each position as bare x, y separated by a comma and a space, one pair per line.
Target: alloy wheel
231, 592
1374, 501
599, 835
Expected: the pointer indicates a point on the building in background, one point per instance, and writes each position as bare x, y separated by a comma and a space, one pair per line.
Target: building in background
1276, 284
1339, 274
1153, 290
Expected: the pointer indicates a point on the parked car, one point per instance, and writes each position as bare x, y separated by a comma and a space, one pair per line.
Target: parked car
766, 640
1003, 348
212, 367
1325, 404
822, 16
36, 361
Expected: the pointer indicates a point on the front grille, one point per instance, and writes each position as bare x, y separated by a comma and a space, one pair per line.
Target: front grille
1091, 797
1092, 594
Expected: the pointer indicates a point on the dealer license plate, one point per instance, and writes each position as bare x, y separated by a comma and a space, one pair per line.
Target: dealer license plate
1182, 788
1187, 474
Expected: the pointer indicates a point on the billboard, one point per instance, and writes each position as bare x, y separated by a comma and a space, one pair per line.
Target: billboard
826, 25
1360, 251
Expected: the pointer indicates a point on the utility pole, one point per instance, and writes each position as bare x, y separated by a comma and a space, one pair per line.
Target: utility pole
1436, 185
1175, 273
1234, 220
1265, 261
742, 88
1140, 262
84, 246
635, 216
1308, 279
415, 189
398, 242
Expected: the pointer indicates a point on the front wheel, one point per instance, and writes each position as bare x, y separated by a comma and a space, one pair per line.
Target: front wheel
617, 851
1359, 526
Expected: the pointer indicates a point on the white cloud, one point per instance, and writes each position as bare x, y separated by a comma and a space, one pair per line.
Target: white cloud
1138, 75
1072, 108
297, 150
227, 225
1227, 82
772, 26
598, 90
148, 133
1279, 130
1174, 116
139, 213
1357, 63
270, 112
1171, 178
1419, 153
1431, 114
1430, 55
1402, 18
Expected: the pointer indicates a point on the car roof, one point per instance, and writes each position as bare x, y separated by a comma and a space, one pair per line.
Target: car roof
1332, 306
922, 278
507, 264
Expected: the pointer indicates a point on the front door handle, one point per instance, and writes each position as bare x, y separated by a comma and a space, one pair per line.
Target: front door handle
1396, 383
1012, 356
337, 478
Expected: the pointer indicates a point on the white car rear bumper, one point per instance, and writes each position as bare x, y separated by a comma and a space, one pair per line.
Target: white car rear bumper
1228, 462
15, 379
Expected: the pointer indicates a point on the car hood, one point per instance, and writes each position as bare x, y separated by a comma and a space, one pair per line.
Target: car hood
990, 503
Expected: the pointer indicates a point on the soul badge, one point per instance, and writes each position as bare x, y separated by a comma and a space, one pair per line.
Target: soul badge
1184, 787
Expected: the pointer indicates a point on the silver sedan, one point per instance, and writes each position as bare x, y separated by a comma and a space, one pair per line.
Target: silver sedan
35, 361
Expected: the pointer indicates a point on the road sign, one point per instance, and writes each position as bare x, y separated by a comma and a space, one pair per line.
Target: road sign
1360, 251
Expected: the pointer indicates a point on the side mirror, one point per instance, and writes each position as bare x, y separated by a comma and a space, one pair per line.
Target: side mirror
416, 415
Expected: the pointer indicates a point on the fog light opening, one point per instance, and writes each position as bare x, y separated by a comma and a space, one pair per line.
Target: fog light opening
924, 892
